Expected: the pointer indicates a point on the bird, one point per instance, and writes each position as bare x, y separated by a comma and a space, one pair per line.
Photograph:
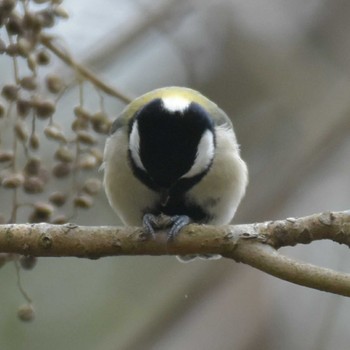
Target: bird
173, 152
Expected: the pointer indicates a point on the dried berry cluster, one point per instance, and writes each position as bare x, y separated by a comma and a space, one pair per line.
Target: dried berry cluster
29, 115
30, 120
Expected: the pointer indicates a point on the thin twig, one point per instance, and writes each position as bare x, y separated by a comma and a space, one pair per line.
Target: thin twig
19, 283
47, 41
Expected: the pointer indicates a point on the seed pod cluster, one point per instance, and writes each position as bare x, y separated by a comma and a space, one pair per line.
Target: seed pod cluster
34, 120
58, 198
54, 83
6, 156
26, 313
101, 124
41, 213
23, 107
10, 92
33, 184
28, 262
92, 186
83, 201
12, 180
51, 181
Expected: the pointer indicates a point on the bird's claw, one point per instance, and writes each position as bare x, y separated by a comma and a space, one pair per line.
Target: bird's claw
152, 222
149, 221
178, 222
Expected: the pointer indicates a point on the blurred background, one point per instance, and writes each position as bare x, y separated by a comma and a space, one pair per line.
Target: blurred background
281, 71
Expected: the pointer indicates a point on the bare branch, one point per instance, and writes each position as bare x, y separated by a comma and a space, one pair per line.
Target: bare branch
265, 258
253, 244
83, 71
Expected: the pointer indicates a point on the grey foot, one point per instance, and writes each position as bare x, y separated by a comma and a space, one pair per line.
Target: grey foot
151, 223
178, 222
189, 258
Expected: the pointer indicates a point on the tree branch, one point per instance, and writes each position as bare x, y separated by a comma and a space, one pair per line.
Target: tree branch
83, 71
253, 244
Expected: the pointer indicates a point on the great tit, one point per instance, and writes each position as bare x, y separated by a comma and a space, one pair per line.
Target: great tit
173, 152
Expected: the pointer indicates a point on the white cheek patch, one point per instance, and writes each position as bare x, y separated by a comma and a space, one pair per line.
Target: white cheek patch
175, 104
134, 146
205, 155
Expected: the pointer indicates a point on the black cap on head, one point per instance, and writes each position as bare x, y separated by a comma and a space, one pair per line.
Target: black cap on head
167, 139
